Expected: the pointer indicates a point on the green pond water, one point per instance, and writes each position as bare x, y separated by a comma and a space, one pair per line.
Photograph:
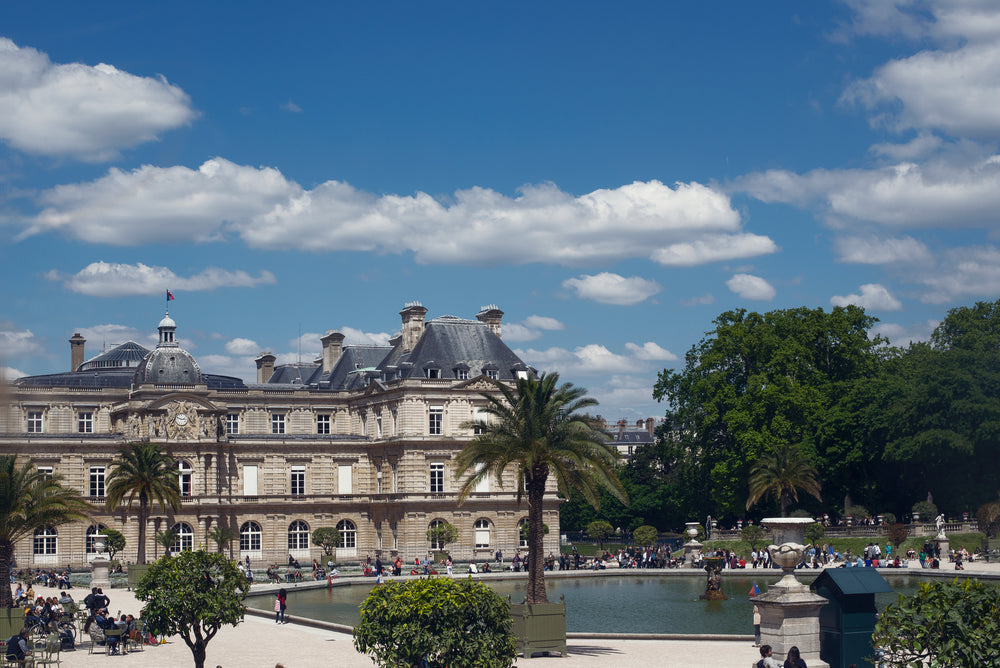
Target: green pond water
618, 604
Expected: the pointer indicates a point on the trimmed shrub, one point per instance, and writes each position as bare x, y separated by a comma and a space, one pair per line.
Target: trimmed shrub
436, 622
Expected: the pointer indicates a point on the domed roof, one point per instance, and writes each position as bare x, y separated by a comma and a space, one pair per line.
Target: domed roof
168, 365
167, 322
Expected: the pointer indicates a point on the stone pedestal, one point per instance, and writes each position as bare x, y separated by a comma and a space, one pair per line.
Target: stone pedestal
789, 612
692, 548
99, 572
943, 545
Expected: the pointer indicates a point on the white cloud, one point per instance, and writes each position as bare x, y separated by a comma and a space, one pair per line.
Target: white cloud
707, 298
100, 336
633, 395
963, 272
240, 346
357, 337
17, 343
900, 335
105, 279
588, 360
608, 288
517, 333
86, 112
873, 297
682, 225
920, 146
239, 367
8, 373
650, 351
714, 248
543, 322
751, 287
876, 250
292, 107
907, 195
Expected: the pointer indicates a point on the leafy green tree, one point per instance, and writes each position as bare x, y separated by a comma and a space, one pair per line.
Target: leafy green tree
897, 533
145, 472
223, 537
114, 542
814, 534
927, 510
600, 531
524, 531
988, 517
536, 429
442, 534
755, 382
327, 538
436, 622
753, 535
944, 624
782, 472
193, 594
645, 535
30, 500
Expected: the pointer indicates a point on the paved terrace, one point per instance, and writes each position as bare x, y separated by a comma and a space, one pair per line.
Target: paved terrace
260, 643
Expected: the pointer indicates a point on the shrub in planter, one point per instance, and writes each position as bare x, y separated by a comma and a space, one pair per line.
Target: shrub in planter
440, 621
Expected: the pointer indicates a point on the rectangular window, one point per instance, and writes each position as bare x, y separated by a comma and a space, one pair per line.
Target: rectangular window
344, 479
436, 420
85, 422
394, 488
35, 422
392, 414
378, 425
492, 374
45, 542
232, 423
96, 481
278, 423
298, 480
45, 471
364, 423
462, 374
433, 373
437, 478
483, 486
478, 417
250, 480
322, 424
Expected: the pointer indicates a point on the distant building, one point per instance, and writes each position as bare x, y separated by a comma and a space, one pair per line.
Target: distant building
627, 437
363, 439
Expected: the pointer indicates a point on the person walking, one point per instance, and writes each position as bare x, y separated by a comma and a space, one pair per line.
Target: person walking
280, 604
756, 626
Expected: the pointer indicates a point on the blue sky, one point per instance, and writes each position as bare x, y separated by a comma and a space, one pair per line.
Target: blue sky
613, 177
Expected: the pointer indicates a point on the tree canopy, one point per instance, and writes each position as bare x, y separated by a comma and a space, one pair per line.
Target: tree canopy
193, 594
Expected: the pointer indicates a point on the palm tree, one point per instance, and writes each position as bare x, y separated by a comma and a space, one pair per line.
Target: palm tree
145, 471
30, 500
536, 429
782, 472
223, 537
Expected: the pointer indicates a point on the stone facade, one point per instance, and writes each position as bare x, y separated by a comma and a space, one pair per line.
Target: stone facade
367, 449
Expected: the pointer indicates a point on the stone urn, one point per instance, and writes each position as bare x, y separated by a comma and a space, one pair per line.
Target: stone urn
789, 610
692, 548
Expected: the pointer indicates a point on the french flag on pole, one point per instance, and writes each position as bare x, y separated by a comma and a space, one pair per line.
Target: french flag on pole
170, 296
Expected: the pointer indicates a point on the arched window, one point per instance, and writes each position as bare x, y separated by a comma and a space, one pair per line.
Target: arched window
435, 544
184, 475
522, 533
45, 541
185, 538
250, 537
94, 530
482, 533
348, 534
298, 535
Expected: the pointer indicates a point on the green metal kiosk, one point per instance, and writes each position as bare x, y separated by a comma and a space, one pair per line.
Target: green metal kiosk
847, 622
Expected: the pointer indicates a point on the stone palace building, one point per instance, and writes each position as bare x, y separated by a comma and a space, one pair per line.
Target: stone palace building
362, 439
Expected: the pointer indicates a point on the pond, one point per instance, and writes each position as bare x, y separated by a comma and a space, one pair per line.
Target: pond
617, 604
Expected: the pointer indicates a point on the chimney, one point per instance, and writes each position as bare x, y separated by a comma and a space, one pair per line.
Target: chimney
265, 367
650, 426
621, 429
333, 345
413, 324
76, 351
491, 315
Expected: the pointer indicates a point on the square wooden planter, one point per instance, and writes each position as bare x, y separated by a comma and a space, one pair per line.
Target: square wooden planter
539, 627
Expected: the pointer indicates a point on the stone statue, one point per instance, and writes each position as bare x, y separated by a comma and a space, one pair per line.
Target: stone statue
939, 523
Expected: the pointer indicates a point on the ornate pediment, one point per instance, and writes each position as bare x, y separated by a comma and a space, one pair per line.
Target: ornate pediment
477, 384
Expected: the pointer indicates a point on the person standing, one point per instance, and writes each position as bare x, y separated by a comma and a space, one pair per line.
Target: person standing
756, 626
280, 604
448, 565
